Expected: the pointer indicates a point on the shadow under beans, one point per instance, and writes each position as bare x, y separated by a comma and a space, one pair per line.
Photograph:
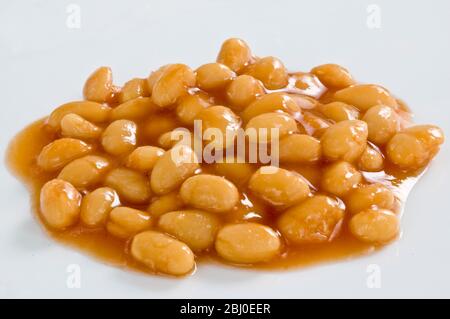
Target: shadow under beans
225, 274
147, 281
205, 272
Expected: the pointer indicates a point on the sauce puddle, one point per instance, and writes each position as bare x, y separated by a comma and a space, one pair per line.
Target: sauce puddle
26, 146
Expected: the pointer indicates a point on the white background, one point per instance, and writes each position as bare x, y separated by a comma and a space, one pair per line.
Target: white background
43, 63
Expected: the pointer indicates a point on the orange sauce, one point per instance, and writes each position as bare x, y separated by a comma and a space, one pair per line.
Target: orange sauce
27, 145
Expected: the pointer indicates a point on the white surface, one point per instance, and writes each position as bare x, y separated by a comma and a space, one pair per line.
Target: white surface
43, 63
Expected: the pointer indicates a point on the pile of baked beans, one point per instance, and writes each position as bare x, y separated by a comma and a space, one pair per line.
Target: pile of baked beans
113, 165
